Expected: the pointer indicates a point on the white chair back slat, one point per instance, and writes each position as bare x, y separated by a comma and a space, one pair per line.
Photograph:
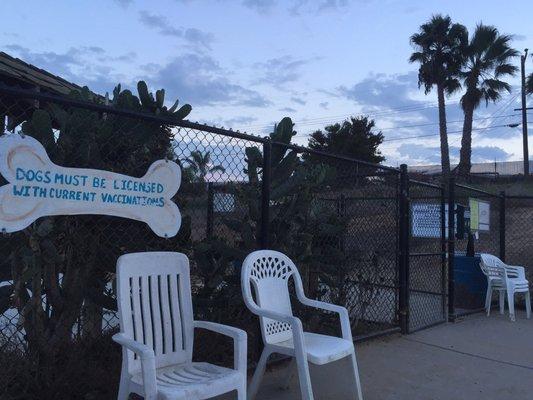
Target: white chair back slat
166, 315
154, 306
268, 272
146, 315
156, 313
135, 293
176, 315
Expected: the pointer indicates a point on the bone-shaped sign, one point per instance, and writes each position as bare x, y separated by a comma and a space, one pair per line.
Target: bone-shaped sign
37, 188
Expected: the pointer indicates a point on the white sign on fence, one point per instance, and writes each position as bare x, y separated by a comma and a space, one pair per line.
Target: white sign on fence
480, 215
37, 188
425, 220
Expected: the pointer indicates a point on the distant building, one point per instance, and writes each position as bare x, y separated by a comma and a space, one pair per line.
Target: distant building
497, 168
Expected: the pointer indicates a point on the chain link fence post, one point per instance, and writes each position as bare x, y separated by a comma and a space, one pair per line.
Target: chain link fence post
451, 248
443, 245
404, 250
210, 209
265, 195
502, 225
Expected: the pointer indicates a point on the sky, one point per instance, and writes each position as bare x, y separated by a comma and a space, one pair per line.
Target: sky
246, 64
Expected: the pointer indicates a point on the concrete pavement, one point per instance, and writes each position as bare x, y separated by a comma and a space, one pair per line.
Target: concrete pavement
476, 358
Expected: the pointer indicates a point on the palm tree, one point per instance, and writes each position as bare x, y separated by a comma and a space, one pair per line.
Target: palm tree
529, 84
200, 165
487, 61
439, 45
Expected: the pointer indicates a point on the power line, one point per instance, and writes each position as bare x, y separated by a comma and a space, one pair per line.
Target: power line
448, 122
391, 111
433, 123
437, 134
335, 118
496, 114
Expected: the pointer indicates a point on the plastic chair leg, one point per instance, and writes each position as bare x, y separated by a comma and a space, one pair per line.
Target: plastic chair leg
502, 302
357, 380
291, 370
241, 393
258, 374
123, 391
510, 300
488, 300
304, 377
528, 304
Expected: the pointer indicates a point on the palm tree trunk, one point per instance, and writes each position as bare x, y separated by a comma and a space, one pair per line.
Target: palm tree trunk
465, 161
444, 150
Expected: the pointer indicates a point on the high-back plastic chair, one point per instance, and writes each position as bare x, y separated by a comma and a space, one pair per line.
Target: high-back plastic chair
157, 333
504, 278
268, 273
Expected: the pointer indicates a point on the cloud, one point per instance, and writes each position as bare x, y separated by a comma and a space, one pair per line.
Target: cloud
489, 153
421, 154
315, 6
80, 65
332, 4
298, 100
280, 70
396, 98
199, 80
196, 36
161, 24
124, 3
127, 57
296, 7
239, 121
288, 109
324, 105
380, 90
261, 6
418, 153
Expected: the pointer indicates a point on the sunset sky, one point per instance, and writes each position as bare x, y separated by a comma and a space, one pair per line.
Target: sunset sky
246, 64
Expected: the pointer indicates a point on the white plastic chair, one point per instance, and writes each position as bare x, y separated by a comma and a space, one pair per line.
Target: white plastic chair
157, 333
504, 278
269, 272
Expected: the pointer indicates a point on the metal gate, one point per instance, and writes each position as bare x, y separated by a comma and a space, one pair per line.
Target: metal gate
427, 277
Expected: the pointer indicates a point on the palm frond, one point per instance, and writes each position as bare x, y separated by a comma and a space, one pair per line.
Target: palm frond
489, 55
217, 168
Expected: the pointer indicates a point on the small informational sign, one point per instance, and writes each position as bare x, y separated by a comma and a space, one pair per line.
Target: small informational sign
37, 188
223, 202
479, 215
426, 220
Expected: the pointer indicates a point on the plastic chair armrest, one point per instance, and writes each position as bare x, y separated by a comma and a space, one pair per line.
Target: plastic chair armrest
341, 311
518, 270
239, 341
147, 356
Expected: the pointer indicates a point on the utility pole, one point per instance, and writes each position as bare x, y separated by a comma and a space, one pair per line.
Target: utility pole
524, 113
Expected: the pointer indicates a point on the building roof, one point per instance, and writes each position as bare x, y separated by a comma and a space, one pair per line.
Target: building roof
18, 72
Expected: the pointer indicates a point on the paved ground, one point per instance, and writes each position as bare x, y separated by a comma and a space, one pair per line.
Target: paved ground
476, 358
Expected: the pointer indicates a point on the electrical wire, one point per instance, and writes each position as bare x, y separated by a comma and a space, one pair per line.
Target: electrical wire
449, 133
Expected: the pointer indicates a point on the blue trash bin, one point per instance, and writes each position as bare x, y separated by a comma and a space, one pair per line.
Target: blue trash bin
470, 282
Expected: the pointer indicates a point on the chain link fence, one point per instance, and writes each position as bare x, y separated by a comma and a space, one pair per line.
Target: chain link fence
363, 236
335, 216
518, 232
